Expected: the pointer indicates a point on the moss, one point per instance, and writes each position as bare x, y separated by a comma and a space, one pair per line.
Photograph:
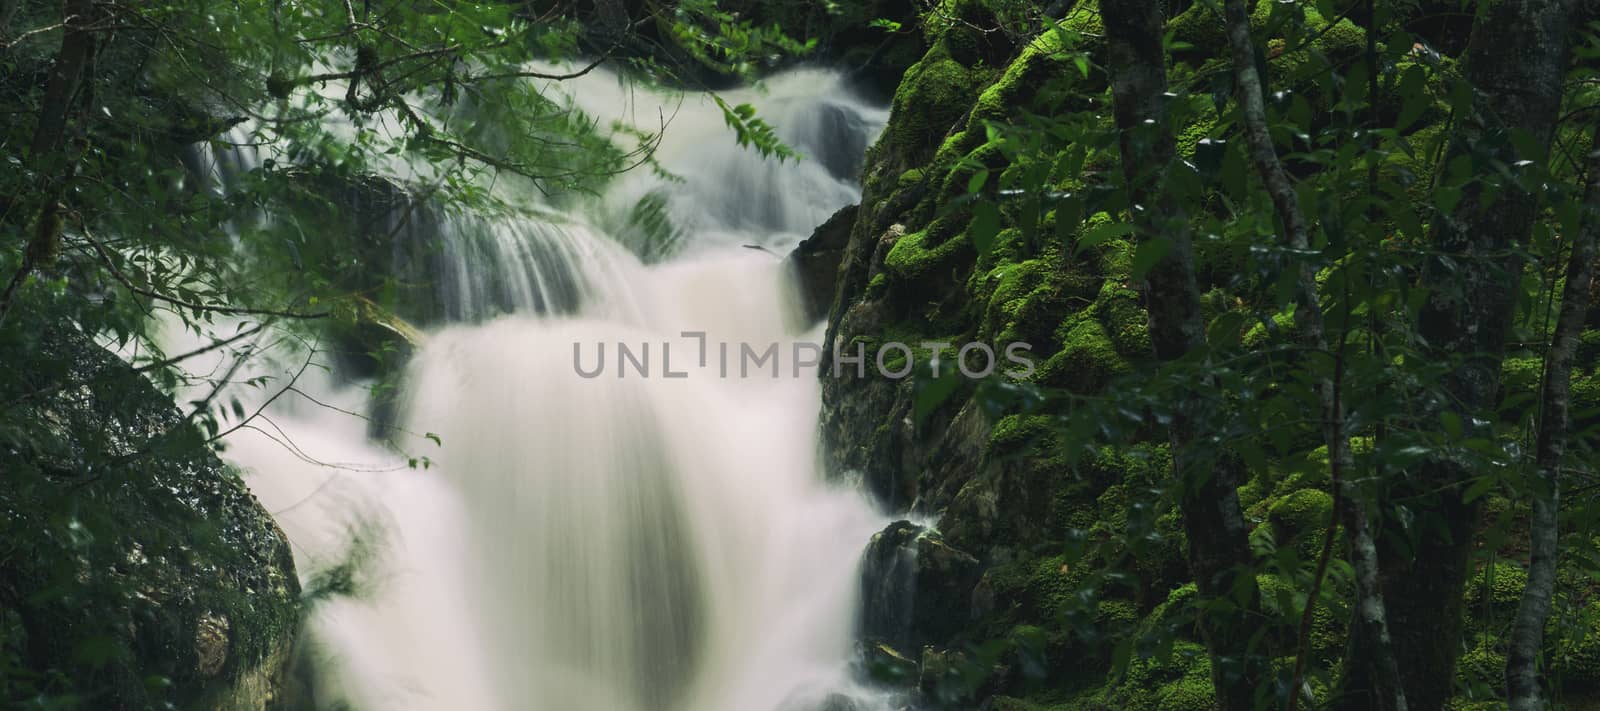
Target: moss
1013, 431
1587, 355
1033, 317
1301, 518
1481, 665
910, 178
1495, 589
1087, 361
1586, 398
1179, 682
929, 102
918, 255
1034, 82
1124, 319
1574, 654
1284, 601
1193, 692
1521, 376
1279, 329
876, 286
1197, 130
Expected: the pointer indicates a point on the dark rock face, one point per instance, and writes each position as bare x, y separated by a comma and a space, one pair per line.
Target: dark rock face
916, 590
136, 570
815, 262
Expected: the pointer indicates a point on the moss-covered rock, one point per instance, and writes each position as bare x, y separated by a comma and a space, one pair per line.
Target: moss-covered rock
1301, 519
1087, 361
1495, 590
140, 571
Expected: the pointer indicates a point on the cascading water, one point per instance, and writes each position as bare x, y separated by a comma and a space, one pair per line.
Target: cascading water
616, 543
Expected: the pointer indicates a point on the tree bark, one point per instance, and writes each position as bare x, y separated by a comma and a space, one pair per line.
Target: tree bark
1527, 630
1517, 56
46, 154
65, 75
1371, 615
1218, 539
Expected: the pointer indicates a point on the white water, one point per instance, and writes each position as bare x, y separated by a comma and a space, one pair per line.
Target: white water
606, 544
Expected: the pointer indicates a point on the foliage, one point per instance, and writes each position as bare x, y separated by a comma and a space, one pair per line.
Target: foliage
1018, 202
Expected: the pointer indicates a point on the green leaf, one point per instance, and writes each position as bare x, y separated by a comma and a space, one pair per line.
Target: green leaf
1103, 233
1413, 87
1451, 423
985, 225
1148, 253
975, 183
933, 392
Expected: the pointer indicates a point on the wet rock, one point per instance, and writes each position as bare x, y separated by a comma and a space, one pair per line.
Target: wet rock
815, 262
916, 590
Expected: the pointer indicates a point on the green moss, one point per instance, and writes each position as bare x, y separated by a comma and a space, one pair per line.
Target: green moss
1521, 375
1252, 492
1284, 601
1280, 330
1481, 665
1193, 692
918, 255
910, 178
1202, 128
1087, 361
1301, 519
1495, 589
1030, 317
876, 286
1574, 654
1586, 396
1051, 590
1587, 355
1013, 431
933, 96
1179, 682
1124, 319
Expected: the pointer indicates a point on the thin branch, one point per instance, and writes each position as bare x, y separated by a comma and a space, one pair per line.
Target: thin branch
540, 75
174, 360
111, 265
1371, 611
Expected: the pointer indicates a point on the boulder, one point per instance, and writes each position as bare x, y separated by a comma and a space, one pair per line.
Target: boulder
916, 590
815, 262
138, 571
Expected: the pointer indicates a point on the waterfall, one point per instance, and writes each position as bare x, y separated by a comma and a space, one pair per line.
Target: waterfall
615, 543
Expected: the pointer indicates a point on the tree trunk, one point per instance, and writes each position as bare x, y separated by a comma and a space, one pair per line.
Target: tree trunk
1370, 611
1516, 59
46, 152
1527, 631
65, 75
1219, 550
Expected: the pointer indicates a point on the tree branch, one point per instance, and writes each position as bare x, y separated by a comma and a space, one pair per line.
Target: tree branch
111, 265
1527, 631
1370, 609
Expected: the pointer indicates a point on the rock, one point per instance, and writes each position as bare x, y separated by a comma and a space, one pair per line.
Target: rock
145, 575
834, 701
938, 666
815, 262
916, 590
